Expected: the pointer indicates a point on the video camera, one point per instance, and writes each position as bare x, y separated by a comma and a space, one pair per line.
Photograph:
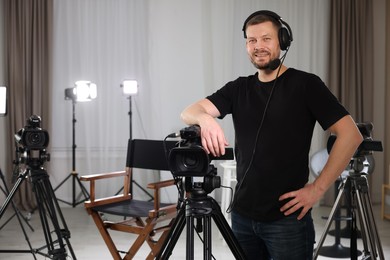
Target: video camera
189, 158
362, 160
32, 142
367, 146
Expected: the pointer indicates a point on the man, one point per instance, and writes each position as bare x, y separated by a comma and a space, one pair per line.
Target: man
274, 112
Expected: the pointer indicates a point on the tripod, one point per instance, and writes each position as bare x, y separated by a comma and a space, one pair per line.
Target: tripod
74, 175
357, 185
54, 227
200, 207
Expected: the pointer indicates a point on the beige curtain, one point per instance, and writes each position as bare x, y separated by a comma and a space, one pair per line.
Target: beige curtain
28, 37
350, 61
351, 52
387, 100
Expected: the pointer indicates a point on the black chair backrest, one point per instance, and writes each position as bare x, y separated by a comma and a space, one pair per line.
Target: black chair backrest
149, 154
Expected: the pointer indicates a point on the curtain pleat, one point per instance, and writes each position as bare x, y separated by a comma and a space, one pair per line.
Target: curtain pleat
387, 103
28, 48
351, 52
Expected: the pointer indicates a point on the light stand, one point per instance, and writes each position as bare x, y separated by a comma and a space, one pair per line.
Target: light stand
130, 88
84, 91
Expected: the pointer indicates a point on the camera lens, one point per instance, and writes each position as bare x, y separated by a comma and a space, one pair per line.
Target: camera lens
191, 160
34, 139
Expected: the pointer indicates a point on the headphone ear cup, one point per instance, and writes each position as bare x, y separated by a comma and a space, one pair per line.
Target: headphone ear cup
284, 38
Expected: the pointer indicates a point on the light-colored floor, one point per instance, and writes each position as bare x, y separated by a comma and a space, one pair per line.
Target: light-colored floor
88, 244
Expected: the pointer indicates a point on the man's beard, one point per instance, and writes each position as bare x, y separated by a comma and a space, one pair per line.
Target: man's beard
262, 66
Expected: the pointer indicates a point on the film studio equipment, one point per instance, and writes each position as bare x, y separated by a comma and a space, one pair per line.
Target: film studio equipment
3, 100
82, 92
356, 187
189, 160
31, 143
130, 89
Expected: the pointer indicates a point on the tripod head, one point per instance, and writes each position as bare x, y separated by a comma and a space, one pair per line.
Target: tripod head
210, 182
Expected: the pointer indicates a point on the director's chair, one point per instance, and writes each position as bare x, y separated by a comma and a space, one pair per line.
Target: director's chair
150, 220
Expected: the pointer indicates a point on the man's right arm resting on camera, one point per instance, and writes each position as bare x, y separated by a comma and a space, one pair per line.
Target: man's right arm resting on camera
203, 113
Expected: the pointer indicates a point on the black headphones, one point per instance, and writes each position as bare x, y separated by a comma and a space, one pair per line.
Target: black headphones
284, 34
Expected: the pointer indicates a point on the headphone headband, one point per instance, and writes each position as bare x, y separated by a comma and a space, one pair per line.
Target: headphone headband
285, 33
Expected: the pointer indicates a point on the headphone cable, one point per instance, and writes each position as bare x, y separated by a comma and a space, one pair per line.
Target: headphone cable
239, 184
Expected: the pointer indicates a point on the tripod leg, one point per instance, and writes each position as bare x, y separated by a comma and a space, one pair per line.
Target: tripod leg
84, 191
17, 212
45, 208
5, 190
75, 180
207, 248
173, 236
62, 182
12, 193
65, 233
190, 238
50, 214
330, 219
367, 219
227, 232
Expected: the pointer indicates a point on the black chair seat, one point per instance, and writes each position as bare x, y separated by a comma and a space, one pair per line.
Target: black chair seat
130, 208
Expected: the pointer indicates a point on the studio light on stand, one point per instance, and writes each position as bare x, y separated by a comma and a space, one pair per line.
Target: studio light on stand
130, 88
82, 92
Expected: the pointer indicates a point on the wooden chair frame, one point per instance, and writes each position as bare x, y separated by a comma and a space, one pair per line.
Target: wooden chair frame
147, 226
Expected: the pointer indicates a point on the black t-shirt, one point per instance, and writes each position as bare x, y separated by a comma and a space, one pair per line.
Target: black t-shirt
280, 160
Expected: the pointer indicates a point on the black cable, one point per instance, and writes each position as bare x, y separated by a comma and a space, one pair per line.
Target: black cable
230, 208
178, 180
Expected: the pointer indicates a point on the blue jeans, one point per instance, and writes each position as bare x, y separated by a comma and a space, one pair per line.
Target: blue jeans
287, 238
